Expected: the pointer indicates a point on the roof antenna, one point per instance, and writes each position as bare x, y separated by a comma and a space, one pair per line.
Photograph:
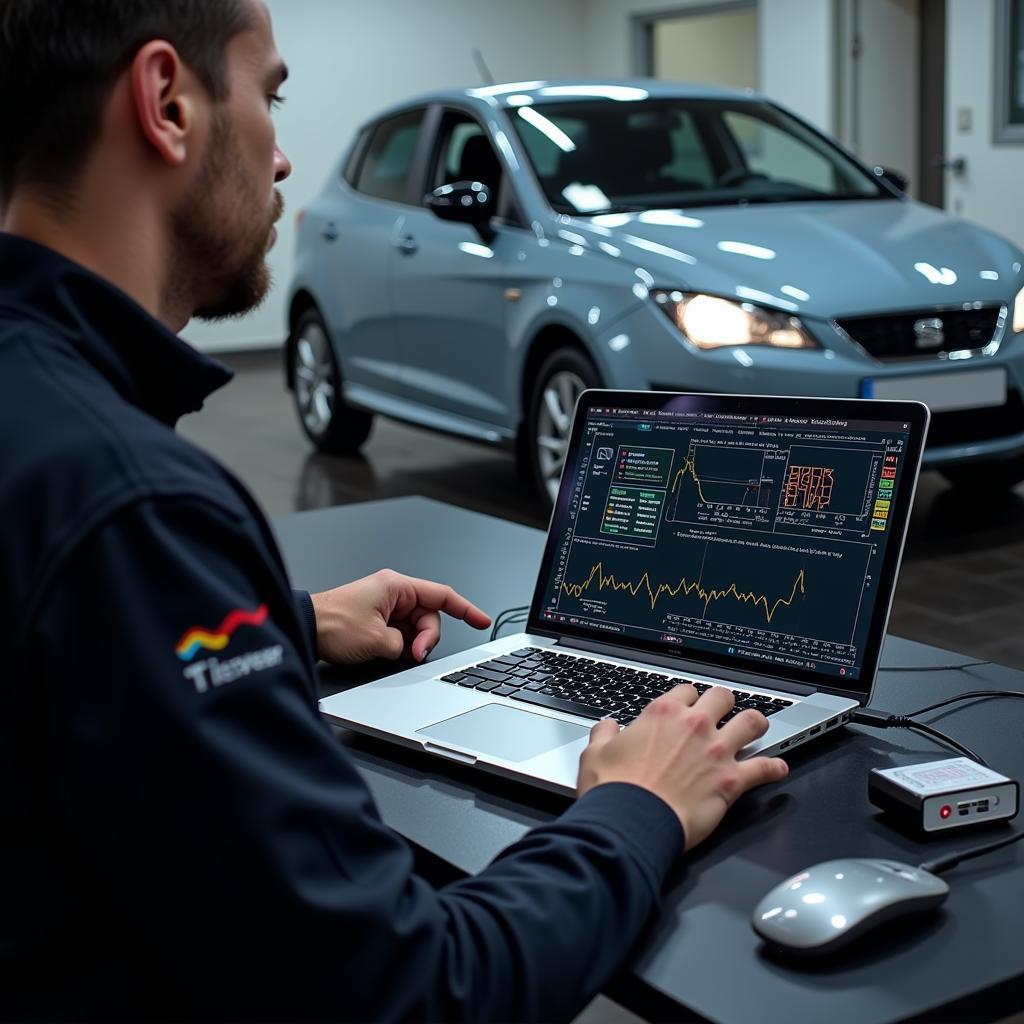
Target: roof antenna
481, 66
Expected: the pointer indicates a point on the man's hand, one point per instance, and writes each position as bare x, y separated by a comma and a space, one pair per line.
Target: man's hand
386, 615
674, 750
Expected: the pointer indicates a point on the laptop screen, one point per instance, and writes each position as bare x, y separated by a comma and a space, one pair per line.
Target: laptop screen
759, 534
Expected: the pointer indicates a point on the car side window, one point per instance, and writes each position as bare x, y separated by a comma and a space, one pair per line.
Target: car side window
384, 170
465, 153
355, 157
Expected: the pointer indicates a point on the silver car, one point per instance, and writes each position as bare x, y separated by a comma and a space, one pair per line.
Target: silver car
478, 257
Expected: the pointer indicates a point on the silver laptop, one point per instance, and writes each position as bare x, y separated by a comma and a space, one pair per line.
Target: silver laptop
725, 540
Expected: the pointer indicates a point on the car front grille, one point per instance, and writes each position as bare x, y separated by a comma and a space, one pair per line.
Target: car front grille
892, 335
968, 426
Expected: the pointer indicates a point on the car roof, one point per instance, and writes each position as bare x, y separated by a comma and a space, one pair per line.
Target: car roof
563, 90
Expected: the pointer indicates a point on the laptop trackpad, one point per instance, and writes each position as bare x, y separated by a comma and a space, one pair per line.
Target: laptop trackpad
504, 732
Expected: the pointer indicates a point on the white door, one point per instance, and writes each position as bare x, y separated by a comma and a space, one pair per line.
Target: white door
878, 75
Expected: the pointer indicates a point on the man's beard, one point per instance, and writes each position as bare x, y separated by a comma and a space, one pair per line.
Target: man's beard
219, 264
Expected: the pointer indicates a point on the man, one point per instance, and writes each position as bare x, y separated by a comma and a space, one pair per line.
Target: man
191, 842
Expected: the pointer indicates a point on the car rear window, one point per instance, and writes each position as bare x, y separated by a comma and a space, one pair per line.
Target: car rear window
384, 171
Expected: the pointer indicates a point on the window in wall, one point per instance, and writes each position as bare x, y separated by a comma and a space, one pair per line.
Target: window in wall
385, 168
1009, 89
713, 43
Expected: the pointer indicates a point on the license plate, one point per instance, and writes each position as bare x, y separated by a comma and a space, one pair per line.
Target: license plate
943, 392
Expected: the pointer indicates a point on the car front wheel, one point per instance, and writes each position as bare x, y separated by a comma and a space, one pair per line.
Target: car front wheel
328, 422
564, 375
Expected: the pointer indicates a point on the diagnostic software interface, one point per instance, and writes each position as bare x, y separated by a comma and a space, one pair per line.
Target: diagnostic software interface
759, 538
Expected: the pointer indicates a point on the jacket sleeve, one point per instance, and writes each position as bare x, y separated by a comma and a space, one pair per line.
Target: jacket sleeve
307, 617
234, 833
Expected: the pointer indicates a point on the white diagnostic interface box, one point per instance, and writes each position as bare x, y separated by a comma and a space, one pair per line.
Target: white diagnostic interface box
942, 795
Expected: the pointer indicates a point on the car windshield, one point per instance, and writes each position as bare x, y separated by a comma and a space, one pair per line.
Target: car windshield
600, 156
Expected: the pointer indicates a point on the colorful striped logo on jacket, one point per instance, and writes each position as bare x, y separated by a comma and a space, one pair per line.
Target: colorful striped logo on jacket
217, 639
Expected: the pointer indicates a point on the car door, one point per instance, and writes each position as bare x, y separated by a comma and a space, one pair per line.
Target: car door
357, 234
448, 286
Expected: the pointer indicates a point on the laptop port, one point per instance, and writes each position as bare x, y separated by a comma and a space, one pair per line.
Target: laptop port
832, 721
815, 731
982, 805
784, 745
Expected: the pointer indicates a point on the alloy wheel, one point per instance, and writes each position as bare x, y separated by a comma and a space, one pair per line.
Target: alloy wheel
314, 379
554, 419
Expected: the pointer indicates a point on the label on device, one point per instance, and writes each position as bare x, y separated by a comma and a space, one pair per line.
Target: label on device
943, 776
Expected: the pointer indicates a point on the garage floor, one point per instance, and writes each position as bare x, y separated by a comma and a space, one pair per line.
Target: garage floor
961, 585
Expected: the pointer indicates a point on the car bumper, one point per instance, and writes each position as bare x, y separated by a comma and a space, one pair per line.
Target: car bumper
644, 351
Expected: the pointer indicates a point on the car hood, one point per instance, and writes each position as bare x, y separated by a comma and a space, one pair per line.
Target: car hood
828, 259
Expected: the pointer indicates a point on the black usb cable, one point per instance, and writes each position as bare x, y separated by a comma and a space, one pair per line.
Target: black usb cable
951, 860
883, 720
508, 617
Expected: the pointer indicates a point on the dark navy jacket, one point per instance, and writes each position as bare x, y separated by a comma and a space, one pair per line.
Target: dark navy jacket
181, 834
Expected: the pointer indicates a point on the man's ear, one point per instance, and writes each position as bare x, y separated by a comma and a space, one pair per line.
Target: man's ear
164, 103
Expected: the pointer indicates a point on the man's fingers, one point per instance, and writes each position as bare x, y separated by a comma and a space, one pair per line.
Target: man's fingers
428, 632
746, 727
392, 644
440, 597
756, 771
605, 730
685, 693
717, 702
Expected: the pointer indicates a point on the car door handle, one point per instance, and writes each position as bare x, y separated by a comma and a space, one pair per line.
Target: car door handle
408, 245
329, 232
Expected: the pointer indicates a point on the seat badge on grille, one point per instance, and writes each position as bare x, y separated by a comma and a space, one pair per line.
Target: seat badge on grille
928, 332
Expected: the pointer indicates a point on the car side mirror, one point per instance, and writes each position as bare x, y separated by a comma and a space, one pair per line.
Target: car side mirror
898, 181
468, 202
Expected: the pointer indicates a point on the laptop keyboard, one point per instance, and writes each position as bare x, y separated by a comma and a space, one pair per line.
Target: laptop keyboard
586, 687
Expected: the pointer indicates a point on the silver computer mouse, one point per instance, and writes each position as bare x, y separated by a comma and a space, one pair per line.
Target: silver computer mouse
823, 907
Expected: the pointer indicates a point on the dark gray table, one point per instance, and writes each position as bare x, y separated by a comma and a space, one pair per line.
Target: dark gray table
701, 960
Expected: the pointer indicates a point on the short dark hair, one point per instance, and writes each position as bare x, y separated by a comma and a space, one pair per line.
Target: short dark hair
59, 60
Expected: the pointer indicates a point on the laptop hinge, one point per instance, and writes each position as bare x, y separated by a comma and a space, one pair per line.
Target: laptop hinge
682, 665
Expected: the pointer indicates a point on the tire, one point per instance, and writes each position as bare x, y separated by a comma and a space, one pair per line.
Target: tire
987, 476
327, 421
562, 377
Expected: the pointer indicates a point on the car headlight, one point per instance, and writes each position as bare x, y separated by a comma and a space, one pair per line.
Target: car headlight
1018, 312
711, 322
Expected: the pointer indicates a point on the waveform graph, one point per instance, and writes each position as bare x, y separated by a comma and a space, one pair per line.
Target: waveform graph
721, 480
702, 587
649, 589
